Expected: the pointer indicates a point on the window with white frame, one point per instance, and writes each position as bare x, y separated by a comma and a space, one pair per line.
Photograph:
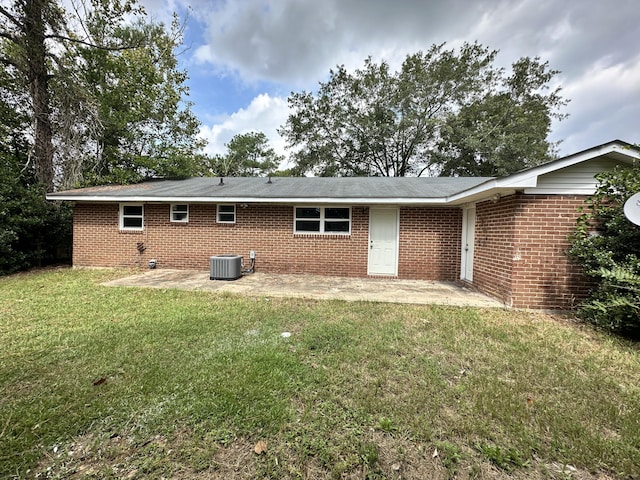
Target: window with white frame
226, 214
180, 212
327, 220
131, 216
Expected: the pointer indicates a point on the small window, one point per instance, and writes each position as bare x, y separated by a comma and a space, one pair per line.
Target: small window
329, 220
337, 220
308, 219
131, 216
180, 212
226, 214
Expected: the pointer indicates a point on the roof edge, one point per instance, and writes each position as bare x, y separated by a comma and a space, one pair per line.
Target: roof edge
255, 200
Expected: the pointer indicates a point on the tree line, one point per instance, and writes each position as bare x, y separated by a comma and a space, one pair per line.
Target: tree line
444, 112
91, 93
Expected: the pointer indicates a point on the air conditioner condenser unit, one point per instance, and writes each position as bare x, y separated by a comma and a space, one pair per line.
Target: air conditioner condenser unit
225, 267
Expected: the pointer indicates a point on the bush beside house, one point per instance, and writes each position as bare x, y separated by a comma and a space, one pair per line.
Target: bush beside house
607, 245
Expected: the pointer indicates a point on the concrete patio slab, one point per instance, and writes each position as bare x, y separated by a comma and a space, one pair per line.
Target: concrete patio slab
315, 287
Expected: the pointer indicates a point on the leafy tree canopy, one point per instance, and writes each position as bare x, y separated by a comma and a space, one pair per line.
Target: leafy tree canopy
443, 112
106, 101
31, 231
248, 155
144, 126
89, 94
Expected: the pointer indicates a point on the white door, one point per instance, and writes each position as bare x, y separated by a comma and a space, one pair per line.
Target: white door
383, 241
468, 239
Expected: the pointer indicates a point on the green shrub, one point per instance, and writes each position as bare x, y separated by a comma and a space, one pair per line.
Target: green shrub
33, 232
607, 245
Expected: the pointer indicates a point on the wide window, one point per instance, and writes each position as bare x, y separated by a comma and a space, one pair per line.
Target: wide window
131, 216
329, 220
226, 214
179, 212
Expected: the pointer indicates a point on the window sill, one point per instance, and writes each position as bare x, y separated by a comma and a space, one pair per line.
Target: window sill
322, 235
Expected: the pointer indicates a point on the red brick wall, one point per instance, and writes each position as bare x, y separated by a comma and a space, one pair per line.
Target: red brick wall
429, 241
493, 254
519, 253
520, 256
429, 247
543, 276
96, 240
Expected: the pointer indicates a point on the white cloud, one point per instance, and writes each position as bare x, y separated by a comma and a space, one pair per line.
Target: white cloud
264, 114
296, 42
292, 44
605, 105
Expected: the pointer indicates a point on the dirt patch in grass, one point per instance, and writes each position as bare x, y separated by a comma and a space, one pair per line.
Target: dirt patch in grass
126, 457
383, 456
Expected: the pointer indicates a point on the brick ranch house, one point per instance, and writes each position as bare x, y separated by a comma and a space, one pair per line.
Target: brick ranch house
505, 237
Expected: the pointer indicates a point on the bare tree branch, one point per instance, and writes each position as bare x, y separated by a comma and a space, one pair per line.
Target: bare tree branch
115, 48
11, 63
10, 16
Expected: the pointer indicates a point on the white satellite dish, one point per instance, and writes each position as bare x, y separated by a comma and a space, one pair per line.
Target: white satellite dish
632, 208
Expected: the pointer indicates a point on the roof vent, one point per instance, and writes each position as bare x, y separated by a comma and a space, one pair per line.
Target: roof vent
221, 182
269, 181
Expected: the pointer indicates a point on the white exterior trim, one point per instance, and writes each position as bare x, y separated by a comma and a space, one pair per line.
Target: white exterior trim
219, 213
528, 179
121, 216
280, 200
321, 220
467, 244
171, 212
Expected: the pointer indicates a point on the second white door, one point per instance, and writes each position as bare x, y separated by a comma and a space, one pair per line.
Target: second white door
468, 243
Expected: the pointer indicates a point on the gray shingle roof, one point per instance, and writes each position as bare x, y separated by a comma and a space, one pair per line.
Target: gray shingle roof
280, 188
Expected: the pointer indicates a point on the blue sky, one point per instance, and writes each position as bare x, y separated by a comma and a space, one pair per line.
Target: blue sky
244, 57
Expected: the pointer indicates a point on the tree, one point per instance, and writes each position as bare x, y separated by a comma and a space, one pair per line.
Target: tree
88, 96
378, 122
607, 246
31, 231
146, 129
26, 29
505, 130
248, 155
84, 73
33, 34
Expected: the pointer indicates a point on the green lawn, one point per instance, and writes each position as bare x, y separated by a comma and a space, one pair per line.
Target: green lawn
102, 382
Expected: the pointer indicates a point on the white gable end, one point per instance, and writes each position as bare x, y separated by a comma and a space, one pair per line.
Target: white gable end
576, 179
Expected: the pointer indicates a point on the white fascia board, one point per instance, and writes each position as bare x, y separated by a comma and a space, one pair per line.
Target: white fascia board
279, 200
489, 187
